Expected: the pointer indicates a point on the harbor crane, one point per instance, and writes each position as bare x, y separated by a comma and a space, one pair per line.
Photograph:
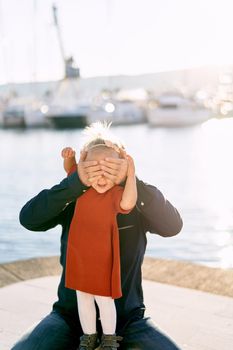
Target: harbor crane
71, 71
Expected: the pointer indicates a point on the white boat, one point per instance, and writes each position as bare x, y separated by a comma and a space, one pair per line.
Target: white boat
1, 114
120, 112
1, 119
24, 112
74, 116
174, 110
34, 114
68, 108
13, 116
223, 100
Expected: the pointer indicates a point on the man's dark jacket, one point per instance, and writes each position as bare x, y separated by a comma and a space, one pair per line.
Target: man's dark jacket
153, 213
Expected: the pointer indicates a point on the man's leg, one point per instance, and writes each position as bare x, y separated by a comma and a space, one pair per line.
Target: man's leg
143, 335
52, 333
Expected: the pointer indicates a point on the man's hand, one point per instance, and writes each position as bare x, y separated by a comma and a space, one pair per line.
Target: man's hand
88, 171
114, 169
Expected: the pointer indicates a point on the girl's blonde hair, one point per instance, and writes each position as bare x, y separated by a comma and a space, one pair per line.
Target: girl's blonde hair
98, 134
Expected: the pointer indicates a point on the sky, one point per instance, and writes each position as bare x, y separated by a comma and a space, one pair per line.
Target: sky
109, 37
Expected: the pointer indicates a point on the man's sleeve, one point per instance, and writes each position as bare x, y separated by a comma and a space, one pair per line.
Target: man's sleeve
159, 215
44, 210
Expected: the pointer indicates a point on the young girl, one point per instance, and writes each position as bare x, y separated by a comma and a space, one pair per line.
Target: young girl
93, 258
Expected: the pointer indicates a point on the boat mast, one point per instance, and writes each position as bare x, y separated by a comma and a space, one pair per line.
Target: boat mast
3, 46
34, 41
109, 7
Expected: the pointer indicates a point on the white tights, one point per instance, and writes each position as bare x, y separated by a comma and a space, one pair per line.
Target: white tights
87, 312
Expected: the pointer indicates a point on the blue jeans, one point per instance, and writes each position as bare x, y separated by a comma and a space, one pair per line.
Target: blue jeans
54, 333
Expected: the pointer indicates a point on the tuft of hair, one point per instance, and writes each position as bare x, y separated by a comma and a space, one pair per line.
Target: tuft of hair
99, 132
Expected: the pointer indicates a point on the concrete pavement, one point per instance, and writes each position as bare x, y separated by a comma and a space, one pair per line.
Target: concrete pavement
195, 320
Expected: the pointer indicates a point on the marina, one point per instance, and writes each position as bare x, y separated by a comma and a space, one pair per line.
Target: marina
67, 106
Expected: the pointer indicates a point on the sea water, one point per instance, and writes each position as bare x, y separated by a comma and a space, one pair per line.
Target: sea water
191, 166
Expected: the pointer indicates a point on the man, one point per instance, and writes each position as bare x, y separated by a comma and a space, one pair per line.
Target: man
61, 329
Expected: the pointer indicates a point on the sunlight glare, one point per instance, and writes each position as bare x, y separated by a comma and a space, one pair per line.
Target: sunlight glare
226, 257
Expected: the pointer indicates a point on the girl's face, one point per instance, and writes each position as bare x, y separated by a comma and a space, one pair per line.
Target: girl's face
102, 184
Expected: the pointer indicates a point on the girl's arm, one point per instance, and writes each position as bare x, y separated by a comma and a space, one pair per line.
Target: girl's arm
68, 154
129, 196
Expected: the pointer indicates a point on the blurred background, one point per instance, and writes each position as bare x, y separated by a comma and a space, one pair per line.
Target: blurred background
160, 70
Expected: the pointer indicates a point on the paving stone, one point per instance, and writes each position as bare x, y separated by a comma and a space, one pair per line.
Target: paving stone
195, 320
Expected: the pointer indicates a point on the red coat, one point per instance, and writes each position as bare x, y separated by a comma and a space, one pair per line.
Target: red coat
93, 254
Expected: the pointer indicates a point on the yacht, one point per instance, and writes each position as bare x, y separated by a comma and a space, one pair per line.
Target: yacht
174, 110
13, 115
24, 112
68, 108
118, 111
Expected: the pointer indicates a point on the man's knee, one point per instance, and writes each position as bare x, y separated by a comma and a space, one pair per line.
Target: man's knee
142, 334
52, 332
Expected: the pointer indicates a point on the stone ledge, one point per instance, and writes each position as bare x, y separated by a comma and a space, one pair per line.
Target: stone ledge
174, 272
189, 275
22, 270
